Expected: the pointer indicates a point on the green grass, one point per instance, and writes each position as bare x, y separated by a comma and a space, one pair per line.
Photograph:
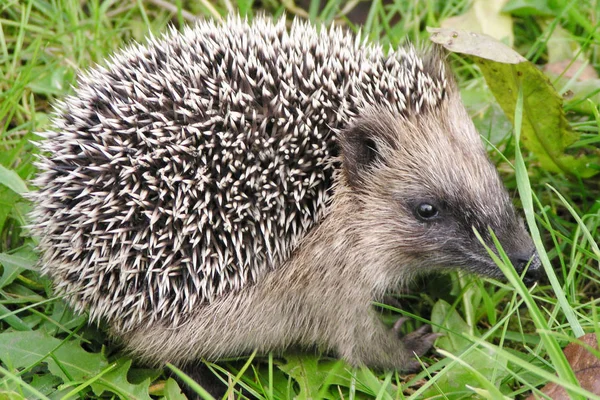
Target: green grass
502, 339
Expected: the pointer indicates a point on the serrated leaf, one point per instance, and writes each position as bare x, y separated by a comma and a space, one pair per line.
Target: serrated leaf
46, 383
116, 381
173, 391
313, 376
12, 180
137, 375
26, 349
305, 371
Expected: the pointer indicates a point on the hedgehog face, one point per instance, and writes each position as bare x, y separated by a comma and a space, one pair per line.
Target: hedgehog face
430, 185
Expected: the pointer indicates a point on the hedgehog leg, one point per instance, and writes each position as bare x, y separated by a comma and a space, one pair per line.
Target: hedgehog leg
374, 345
419, 342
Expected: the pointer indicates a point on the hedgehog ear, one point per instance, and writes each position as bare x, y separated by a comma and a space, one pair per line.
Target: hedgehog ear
359, 151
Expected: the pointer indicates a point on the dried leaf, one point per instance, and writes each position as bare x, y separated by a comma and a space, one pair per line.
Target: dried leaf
475, 44
584, 363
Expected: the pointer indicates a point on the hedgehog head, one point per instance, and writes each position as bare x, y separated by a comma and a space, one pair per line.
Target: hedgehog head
423, 184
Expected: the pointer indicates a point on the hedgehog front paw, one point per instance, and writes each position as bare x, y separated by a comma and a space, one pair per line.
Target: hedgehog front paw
418, 342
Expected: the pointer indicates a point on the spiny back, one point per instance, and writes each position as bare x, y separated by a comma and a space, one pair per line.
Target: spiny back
190, 166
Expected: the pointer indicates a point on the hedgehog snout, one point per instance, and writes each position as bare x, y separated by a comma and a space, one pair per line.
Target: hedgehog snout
531, 262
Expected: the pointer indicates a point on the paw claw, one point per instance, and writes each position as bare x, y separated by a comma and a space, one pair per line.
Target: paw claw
419, 342
422, 330
432, 337
398, 324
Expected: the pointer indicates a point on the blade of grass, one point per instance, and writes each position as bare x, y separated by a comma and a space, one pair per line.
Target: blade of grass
89, 382
525, 193
582, 226
574, 389
191, 383
239, 375
38, 395
551, 346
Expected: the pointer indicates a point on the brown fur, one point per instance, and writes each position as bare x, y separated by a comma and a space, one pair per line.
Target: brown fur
369, 243
239, 186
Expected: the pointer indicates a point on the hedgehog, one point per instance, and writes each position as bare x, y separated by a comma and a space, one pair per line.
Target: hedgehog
241, 186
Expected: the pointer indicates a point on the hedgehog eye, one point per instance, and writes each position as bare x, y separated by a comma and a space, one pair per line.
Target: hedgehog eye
426, 211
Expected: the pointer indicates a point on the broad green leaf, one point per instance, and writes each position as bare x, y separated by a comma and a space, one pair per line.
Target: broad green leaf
524, 8
488, 366
369, 383
52, 81
26, 349
483, 364
10, 395
12, 180
14, 264
65, 317
488, 389
545, 131
116, 381
8, 204
13, 320
444, 315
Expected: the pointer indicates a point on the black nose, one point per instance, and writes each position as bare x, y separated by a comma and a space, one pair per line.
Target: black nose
533, 265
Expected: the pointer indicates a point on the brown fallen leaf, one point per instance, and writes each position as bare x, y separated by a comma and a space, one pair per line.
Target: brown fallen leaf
584, 363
